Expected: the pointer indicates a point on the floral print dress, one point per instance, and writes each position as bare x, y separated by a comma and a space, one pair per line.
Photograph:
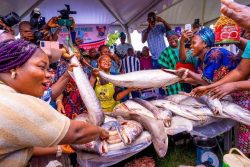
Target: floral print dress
217, 63
72, 101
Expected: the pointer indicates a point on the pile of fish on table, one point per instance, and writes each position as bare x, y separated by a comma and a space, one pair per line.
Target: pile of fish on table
122, 134
178, 113
139, 121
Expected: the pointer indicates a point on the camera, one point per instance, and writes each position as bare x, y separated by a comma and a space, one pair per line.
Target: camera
37, 22
10, 19
65, 20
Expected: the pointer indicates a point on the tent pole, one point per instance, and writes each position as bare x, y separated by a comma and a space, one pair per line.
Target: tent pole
128, 34
38, 2
203, 12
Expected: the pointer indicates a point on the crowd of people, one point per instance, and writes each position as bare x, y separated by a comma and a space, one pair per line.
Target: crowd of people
29, 80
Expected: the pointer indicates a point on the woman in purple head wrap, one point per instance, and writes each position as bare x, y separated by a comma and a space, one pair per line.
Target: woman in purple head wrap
213, 62
27, 122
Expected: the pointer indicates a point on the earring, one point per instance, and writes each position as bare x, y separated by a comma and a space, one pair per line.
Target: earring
13, 74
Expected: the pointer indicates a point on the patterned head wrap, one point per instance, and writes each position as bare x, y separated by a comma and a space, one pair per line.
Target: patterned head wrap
207, 35
14, 53
170, 33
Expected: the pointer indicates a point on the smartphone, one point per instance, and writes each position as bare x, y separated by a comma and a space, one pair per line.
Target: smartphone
188, 27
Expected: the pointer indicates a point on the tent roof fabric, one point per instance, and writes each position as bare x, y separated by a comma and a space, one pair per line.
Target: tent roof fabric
129, 13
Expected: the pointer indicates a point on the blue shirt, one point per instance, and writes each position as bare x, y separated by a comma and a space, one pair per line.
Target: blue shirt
218, 62
156, 41
47, 95
114, 70
94, 63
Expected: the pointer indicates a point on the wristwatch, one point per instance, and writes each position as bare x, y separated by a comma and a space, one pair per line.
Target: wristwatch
59, 151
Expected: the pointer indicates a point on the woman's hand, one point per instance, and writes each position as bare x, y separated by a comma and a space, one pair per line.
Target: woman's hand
65, 53
60, 107
199, 91
222, 90
186, 35
182, 73
67, 149
95, 72
104, 134
71, 66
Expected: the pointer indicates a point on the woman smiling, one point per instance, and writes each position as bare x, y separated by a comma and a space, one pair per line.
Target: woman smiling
26, 120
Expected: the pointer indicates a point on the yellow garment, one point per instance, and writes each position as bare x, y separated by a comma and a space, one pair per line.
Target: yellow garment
25, 122
105, 94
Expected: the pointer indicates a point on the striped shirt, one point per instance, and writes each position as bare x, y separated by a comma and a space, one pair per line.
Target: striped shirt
130, 64
26, 122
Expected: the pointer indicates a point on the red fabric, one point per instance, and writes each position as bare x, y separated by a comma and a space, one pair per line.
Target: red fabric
189, 66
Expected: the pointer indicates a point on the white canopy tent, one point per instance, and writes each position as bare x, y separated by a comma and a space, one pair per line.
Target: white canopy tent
122, 15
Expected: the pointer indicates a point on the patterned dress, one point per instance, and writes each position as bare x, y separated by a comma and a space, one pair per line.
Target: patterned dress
242, 98
217, 63
72, 101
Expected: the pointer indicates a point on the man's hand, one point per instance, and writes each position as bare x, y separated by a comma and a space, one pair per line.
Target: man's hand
53, 22
159, 19
7, 28
239, 13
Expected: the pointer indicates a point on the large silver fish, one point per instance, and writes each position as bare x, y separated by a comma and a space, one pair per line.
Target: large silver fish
129, 105
96, 115
181, 124
178, 125
153, 126
175, 108
142, 79
161, 114
97, 146
145, 137
205, 120
185, 99
198, 111
236, 112
130, 131
214, 104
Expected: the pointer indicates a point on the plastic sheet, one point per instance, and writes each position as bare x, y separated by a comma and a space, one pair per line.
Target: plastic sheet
111, 158
214, 129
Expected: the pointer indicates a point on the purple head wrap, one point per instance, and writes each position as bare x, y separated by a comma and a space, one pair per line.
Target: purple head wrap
14, 53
